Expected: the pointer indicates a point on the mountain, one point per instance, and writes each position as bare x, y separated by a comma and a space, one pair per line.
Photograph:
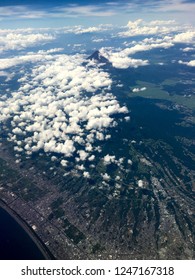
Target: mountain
100, 58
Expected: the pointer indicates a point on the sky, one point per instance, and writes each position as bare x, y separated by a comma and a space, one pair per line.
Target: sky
48, 13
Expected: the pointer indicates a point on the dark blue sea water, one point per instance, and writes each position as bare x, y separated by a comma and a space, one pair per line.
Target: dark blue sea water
15, 243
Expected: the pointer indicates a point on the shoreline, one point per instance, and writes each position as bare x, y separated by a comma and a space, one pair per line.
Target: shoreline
29, 231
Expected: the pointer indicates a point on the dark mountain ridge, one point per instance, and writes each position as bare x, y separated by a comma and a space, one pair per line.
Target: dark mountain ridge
98, 57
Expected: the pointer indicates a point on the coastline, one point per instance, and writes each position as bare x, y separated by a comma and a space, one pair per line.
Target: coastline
29, 231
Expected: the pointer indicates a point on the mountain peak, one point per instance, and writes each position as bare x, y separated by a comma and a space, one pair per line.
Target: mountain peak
97, 56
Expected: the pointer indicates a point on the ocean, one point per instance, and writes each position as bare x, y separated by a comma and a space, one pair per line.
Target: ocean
15, 243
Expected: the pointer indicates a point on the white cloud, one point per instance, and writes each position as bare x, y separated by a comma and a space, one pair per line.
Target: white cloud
139, 27
188, 49
91, 158
130, 161
92, 29
3, 73
127, 118
98, 40
80, 167
121, 59
51, 112
54, 50
86, 11
139, 89
190, 63
109, 159
18, 41
83, 155
134, 24
175, 6
64, 162
86, 174
67, 11
140, 183
7, 75
81, 30
162, 22
185, 37
6, 63
105, 176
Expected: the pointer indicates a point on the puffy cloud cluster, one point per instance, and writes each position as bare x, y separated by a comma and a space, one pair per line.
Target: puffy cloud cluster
121, 59
6, 63
185, 37
19, 39
15, 40
109, 159
62, 106
190, 63
139, 27
168, 32
30, 57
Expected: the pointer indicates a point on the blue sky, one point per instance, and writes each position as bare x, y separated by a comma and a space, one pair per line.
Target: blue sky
49, 13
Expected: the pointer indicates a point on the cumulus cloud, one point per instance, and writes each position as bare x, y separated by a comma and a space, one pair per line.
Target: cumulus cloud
86, 174
189, 63
106, 177
83, 155
30, 57
62, 106
91, 158
139, 27
165, 35
122, 59
140, 183
185, 37
18, 41
64, 162
108, 159
40, 56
